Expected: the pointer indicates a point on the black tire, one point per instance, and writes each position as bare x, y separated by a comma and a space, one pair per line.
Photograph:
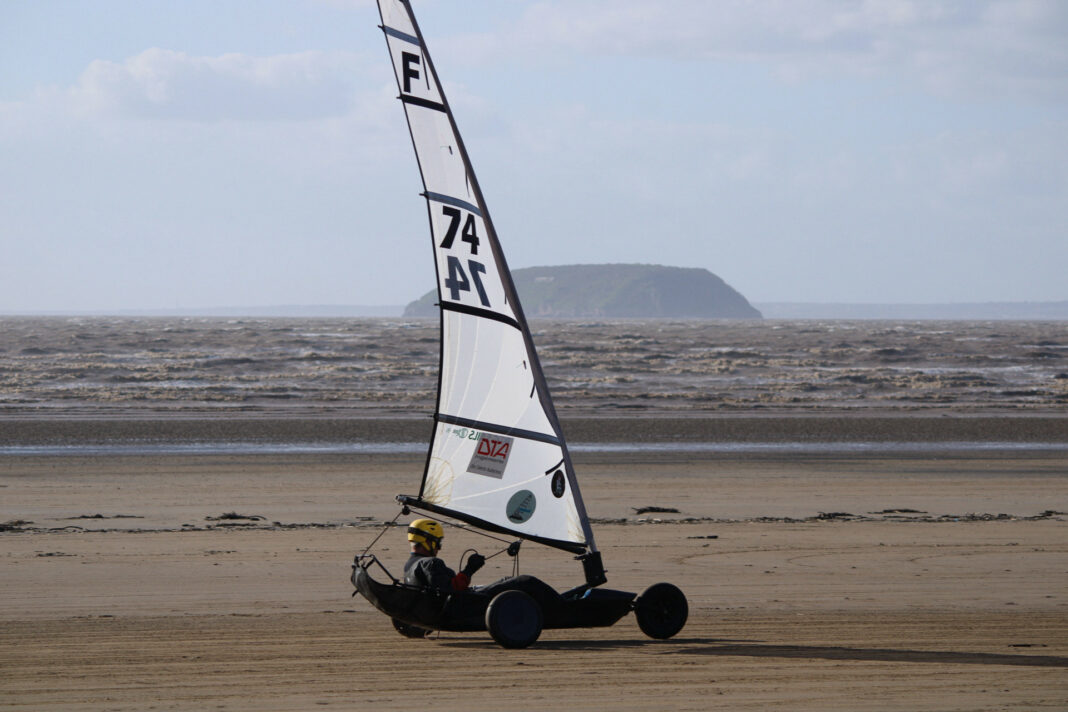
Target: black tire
408, 630
661, 610
513, 619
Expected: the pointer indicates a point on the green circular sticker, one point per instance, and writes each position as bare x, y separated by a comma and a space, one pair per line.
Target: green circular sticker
521, 506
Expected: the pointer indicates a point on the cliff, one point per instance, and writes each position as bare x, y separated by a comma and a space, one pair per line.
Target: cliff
618, 290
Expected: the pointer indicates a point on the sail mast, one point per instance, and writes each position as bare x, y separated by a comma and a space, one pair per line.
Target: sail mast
510, 290
464, 316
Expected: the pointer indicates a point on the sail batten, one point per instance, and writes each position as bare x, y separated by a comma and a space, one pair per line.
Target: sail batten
499, 429
483, 313
425, 103
497, 456
411, 39
456, 202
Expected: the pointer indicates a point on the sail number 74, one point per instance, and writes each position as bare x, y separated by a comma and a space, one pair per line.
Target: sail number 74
457, 280
470, 234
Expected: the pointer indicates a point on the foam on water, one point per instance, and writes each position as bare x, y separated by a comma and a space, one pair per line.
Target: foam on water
142, 365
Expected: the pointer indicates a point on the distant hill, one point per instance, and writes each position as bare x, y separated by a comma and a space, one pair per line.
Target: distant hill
619, 290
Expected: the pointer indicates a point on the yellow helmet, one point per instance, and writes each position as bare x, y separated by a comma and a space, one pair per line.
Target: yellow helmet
426, 532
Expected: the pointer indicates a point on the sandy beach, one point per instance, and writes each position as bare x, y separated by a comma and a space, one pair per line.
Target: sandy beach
845, 581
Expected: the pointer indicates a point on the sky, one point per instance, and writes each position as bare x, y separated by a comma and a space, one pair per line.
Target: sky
165, 154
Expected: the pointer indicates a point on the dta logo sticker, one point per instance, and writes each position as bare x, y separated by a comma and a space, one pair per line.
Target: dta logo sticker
491, 455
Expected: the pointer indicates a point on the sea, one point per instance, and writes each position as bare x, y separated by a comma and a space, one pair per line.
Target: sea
100, 366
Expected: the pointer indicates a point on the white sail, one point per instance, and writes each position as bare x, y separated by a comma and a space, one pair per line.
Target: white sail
497, 458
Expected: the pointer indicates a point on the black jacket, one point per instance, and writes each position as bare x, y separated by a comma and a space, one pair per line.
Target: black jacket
428, 572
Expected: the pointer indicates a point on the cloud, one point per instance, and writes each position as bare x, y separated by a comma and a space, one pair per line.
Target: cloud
300, 163
954, 47
164, 84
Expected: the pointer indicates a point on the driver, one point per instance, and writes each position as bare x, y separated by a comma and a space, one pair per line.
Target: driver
425, 569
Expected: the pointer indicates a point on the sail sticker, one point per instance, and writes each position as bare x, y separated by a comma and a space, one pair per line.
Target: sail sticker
558, 484
464, 433
521, 506
491, 455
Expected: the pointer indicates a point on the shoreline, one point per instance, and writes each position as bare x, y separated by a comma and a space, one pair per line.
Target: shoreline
154, 429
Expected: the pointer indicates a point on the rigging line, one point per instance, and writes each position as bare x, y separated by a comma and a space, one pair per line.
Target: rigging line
384, 530
505, 488
484, 525
488, 536
480, 532
466, 528
515, 559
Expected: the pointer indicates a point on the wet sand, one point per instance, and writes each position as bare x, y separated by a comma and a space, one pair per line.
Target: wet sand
830, 582
129, 428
